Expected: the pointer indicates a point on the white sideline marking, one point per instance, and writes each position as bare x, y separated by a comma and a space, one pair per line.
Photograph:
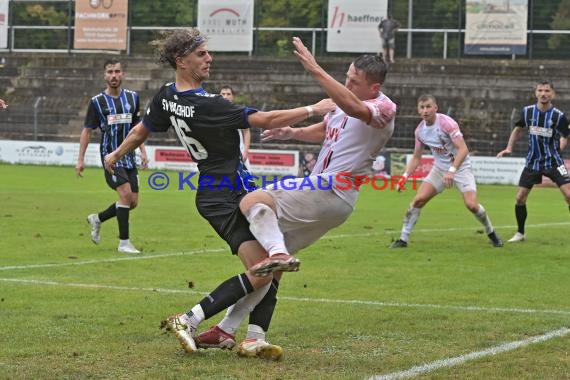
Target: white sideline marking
430, 306
340, 236
302, 299
450, 362
112, 260
430, 230
98, 286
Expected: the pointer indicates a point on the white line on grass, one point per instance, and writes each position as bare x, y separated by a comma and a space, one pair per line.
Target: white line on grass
97, 286
430, 306
341, 236
450, 362
430, 230
112, 260
304, 299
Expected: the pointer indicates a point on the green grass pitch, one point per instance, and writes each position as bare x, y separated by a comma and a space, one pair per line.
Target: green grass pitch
450, 302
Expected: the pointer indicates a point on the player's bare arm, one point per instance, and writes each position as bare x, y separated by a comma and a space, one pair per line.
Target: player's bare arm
414, 161
410, 167
134, 139
515, 134
144, 157
342, 96
246, 133
462, 152
83, 142
283, 118
563, 143
314, 133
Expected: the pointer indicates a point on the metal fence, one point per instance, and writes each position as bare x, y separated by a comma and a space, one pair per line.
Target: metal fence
39, 98
410, 43
416, 38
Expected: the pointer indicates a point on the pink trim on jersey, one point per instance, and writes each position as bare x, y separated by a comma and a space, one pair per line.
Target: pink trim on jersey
350, 145
383, 111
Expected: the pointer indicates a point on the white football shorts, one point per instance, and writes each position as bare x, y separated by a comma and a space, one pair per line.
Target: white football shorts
463, 179
307, 210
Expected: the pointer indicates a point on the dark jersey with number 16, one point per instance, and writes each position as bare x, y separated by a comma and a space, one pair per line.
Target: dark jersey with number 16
207, 126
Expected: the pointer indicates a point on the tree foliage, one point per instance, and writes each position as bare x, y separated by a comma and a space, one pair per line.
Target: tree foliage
45, 14
289, 13
560, 21
163, 13
292, 13
159, 13
428, 14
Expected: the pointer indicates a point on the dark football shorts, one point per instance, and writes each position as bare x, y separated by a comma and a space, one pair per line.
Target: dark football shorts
558, 175
224, 215
121, 176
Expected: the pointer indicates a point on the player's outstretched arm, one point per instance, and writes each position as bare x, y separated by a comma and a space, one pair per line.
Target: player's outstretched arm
313, 133
283, 118
342, 96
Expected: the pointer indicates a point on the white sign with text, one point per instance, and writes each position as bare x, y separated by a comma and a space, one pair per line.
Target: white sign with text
353, 25
227, 23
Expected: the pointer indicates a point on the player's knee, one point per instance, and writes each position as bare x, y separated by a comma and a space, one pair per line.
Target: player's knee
256, 205
473, 207
132, 200
247, 202
521, 197
259, 282
418, 202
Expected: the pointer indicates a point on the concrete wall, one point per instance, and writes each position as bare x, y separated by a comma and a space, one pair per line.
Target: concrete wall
481, 95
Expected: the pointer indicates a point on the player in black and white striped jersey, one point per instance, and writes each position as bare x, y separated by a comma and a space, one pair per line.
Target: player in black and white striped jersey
548, 132
114, 111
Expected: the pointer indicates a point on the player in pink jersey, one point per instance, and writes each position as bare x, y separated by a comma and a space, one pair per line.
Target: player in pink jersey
287, 220
451, 166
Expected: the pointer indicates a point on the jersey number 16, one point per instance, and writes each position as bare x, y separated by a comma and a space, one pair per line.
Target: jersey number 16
197, 150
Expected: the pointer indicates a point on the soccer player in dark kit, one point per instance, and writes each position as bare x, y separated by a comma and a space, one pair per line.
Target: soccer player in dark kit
548, 131
207, 126
114, 111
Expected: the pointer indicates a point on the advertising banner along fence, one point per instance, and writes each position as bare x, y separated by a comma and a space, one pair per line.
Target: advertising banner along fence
353, 25
228, 24
496, 27
101, 24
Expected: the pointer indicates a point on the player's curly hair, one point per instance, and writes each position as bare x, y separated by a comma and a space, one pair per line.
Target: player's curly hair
177, 43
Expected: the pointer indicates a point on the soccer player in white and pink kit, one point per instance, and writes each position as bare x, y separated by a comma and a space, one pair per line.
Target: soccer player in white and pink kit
441, 134
286, 220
